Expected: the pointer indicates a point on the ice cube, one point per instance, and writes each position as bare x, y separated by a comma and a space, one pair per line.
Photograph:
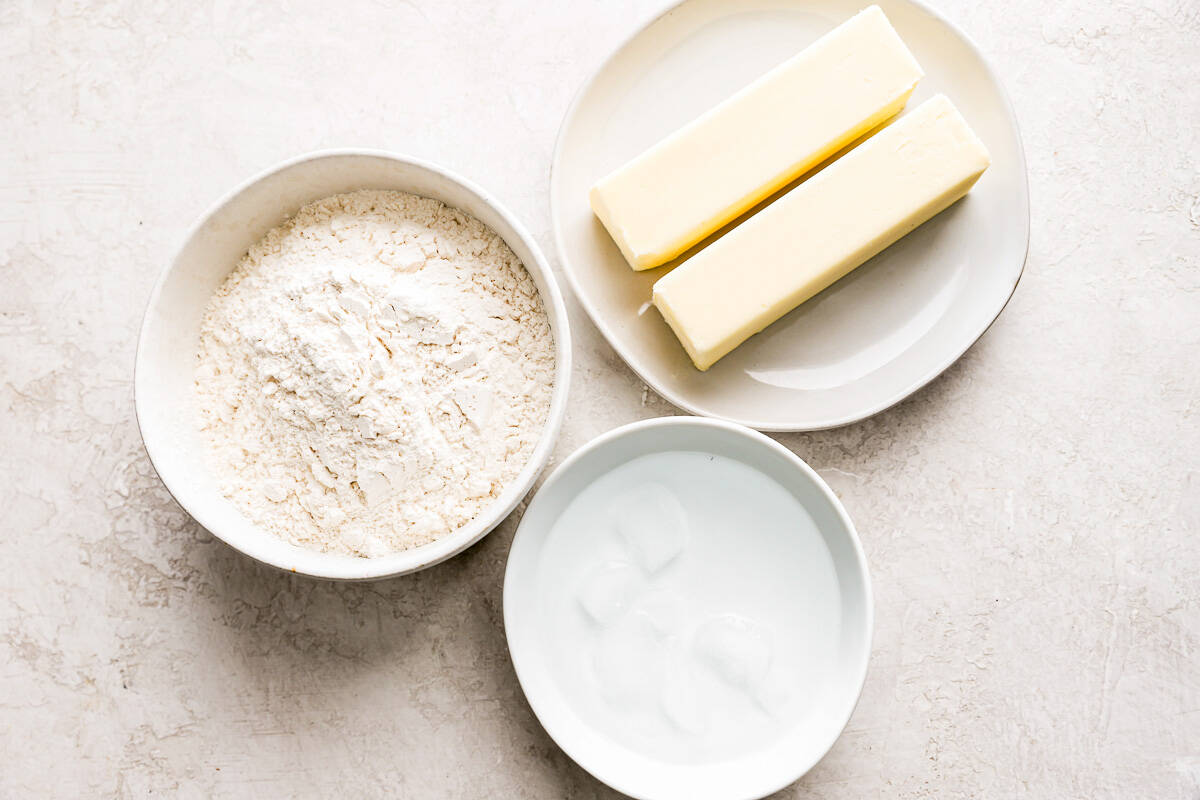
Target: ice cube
736, 649
608, 589
652, 522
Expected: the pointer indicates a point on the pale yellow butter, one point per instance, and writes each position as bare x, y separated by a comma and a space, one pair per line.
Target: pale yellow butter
728, 160
821, 230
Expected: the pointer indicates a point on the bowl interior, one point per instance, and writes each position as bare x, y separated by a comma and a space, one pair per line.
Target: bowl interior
166, 357
622, 767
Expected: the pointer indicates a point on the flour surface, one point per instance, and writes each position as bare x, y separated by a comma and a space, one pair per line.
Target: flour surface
373, 374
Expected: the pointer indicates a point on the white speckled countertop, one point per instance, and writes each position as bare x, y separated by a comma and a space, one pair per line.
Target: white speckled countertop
1031, 518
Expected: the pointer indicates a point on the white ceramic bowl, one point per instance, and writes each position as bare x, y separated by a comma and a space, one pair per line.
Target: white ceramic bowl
170, 334
532, 586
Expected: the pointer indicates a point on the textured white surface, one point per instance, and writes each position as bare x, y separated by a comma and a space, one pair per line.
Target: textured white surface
365, 347
1031, 518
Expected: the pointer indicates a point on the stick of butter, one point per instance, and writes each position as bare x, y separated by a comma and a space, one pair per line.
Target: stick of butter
821, 230
728, 160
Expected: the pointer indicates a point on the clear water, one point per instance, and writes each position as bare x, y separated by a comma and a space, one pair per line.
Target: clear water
691, 608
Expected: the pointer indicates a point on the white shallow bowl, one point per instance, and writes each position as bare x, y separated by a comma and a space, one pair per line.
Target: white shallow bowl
871, 339
166, 356
534, 578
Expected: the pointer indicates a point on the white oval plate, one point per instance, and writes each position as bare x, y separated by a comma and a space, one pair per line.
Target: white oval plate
871, 339
540, 588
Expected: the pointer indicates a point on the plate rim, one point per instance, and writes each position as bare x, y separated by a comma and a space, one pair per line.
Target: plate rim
860, 563
680, 401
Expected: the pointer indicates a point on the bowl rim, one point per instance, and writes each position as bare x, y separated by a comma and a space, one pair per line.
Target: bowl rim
858, 563
335, 566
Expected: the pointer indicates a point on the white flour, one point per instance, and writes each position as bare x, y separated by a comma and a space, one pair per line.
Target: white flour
373, 374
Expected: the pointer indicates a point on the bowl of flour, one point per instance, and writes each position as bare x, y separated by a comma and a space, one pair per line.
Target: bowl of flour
355, 366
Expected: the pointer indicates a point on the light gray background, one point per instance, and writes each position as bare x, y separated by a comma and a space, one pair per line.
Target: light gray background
1031, 518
